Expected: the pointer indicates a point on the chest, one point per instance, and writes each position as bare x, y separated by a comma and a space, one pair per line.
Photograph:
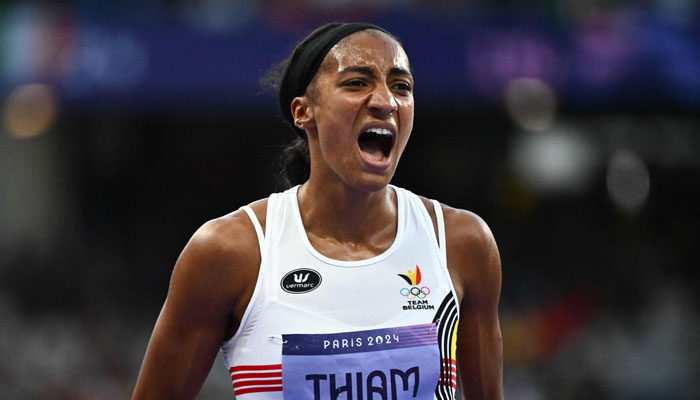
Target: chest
405, 288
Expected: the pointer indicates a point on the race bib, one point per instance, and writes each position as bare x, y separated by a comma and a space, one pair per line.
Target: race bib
388, 364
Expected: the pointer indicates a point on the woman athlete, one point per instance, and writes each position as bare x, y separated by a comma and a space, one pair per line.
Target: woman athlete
343, 286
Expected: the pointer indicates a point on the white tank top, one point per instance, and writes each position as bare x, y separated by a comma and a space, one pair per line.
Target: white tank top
344, 326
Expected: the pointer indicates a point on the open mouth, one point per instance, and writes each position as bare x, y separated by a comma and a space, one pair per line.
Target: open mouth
376, 143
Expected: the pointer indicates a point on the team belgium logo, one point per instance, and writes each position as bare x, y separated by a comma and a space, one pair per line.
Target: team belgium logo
415, 293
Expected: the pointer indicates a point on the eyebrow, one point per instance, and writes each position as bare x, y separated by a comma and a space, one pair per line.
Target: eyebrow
370, 71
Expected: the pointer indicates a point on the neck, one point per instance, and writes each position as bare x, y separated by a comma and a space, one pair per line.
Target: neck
346, 215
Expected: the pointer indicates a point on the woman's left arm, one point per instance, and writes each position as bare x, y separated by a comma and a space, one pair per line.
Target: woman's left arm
475, 268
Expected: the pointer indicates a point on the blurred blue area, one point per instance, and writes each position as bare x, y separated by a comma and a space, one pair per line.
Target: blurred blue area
146, 58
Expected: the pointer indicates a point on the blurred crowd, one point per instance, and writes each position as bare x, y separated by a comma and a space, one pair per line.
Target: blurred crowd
595, 210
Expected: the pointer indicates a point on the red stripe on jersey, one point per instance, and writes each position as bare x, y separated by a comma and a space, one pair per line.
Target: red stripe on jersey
269, 382
450, 384
448, 373
256, 375
268, 367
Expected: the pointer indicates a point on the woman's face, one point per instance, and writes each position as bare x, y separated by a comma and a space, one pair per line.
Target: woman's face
360, 111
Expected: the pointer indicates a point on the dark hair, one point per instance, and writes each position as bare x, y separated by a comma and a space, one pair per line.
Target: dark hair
296, 73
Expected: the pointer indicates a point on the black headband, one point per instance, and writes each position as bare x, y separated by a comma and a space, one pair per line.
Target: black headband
307, 59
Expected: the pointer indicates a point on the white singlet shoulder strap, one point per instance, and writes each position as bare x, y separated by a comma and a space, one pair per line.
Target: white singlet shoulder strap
441, 230
256, 224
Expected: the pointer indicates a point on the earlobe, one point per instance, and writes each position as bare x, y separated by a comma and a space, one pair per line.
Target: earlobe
302, 113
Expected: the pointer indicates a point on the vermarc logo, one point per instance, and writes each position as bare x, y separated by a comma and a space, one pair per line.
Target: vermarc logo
302, 280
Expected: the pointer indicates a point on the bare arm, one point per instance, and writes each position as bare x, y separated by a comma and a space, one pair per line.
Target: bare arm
209, 290
475, 267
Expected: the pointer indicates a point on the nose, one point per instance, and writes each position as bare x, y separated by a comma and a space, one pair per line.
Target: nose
382, 101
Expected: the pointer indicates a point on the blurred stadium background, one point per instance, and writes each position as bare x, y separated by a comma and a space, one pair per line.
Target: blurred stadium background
571, 127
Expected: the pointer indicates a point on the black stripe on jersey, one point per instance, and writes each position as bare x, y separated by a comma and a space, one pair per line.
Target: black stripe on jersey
445, 319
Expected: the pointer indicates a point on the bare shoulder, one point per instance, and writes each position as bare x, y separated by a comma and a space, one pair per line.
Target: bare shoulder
232, 235
472, 254
465, 230
221, 260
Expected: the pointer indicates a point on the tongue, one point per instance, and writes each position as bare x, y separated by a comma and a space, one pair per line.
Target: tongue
371, 150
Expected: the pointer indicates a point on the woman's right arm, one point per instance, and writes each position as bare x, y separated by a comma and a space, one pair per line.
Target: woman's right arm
210, 288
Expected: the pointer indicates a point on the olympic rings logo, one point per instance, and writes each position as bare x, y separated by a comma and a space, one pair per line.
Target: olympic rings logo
415, 292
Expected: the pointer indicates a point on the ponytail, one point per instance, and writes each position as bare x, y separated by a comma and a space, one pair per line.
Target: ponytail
294, 164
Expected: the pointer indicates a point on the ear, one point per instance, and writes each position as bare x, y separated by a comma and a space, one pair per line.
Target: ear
303, 113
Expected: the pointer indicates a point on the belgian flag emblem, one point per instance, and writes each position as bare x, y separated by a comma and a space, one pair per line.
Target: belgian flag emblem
411, 277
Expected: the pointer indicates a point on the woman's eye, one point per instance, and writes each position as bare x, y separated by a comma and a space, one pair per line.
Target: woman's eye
403, 86
355, 82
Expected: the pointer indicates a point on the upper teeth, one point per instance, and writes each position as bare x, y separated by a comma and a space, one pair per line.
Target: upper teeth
380, 131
